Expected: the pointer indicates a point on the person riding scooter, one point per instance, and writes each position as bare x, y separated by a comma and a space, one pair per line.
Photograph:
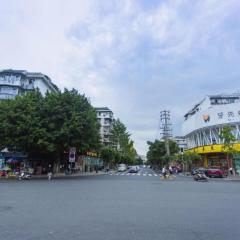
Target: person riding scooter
24, 175
200, 176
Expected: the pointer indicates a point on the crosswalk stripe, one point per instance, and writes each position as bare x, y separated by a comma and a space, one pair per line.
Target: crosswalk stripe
134, 174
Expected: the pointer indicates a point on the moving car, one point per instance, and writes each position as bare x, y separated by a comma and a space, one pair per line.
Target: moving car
122, 167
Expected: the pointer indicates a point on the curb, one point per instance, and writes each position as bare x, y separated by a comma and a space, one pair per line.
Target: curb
56, 176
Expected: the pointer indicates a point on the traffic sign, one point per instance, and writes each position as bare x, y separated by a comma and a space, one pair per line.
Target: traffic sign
72, 154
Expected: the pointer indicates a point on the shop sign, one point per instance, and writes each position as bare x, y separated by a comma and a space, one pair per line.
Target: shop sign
92, 154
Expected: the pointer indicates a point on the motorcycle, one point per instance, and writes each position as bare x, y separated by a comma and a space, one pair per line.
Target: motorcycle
24, 175
200, 176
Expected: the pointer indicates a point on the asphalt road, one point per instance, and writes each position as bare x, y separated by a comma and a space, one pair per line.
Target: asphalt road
121, 207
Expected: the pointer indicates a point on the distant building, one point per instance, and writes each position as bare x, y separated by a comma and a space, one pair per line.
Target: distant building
181, 142
105, 118
202, 126
18, 82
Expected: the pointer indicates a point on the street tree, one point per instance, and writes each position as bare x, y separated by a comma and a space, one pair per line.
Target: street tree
156, 154
188, 159
228, 141
49, 125
121, 142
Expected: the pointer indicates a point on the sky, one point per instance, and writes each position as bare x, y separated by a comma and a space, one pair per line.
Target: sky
135, 57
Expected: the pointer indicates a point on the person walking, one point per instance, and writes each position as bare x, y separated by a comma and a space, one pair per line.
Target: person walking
164, 171
49, 172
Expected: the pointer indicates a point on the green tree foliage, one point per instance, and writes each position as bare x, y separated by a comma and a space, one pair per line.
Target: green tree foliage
189, 159
121, 142
121, 149
228, 140
108, 155
156, 154
49, 125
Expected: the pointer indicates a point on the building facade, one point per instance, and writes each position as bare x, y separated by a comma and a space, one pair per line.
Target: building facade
203, 123
105, 118
18, 82
181, 142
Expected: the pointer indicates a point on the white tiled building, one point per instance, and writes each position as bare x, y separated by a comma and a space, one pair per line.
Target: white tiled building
181, 142
105, 118
17, 82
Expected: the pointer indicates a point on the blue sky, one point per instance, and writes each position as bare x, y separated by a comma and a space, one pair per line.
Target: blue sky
136, 57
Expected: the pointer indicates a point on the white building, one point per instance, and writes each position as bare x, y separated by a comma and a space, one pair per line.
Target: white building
204, 121
202, 127
17, 82
105, 118
181, 142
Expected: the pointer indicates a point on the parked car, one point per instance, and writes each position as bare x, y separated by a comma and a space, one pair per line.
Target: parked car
199, 170
133, 169
215, 172
3, 173
122, 167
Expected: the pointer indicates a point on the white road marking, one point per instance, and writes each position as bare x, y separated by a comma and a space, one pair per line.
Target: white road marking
155, 175
144, 174
133, 174
138, 174
128, 174
149, 174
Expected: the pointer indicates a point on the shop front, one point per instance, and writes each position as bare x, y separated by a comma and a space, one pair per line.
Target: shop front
213, 156
86, 163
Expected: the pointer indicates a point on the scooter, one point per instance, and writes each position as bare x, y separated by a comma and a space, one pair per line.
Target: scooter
199, 176
24, 175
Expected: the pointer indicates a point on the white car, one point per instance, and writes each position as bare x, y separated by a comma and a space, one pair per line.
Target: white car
122, 167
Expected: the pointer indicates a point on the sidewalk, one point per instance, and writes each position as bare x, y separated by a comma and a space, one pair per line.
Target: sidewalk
63, 175
233, 178
57, 175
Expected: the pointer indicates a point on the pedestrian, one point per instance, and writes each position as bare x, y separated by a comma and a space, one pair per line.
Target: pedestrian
170, 170
49, 172
49, 175
231, 170
164, 171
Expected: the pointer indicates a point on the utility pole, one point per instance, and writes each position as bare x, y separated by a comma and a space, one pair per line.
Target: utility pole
166, 130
